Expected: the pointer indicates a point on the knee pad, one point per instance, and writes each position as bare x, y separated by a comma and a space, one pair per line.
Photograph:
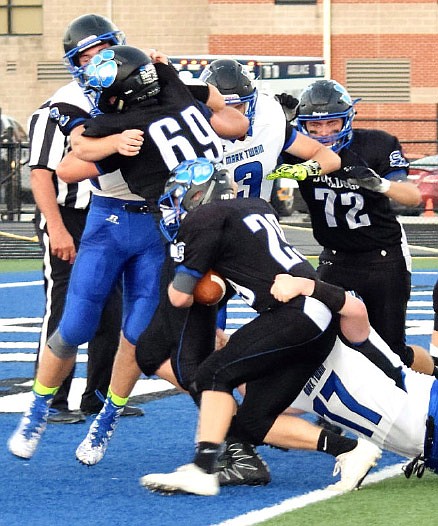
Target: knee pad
59, 347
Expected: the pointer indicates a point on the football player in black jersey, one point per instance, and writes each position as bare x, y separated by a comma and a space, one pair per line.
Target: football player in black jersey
364, 245
151, 120
276, 352
148, 120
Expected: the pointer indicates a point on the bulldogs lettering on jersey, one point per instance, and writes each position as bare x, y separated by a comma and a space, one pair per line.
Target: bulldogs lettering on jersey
352, 219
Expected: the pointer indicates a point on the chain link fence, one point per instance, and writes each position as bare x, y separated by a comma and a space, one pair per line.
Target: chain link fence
17, 207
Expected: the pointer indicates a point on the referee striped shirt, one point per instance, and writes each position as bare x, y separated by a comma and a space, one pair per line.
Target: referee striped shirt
48, 146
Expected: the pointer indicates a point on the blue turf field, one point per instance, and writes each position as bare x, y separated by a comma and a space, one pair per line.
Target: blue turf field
54, 490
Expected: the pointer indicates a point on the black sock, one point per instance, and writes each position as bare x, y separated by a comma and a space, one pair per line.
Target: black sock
334, 444
206, 456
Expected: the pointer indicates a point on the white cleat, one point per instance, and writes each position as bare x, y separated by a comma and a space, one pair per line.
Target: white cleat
186, 479
25, 439
93, 448
355, 465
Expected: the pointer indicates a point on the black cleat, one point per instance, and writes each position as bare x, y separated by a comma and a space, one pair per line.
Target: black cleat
58, 416
128, 410
240, 464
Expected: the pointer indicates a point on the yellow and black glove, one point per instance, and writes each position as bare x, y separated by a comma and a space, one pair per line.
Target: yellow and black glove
297, 172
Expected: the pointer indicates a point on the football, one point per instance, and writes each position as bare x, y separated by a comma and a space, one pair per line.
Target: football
210, 289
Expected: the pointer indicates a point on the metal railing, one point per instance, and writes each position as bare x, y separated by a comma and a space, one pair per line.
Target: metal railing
15, 192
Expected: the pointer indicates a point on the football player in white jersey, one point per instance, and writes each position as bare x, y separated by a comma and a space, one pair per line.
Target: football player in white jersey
386, 403
250, 158
365, 388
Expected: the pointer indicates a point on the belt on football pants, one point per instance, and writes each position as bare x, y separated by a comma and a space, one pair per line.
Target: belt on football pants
148, 207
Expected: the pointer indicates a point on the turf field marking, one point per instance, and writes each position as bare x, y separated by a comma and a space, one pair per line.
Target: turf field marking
21, 284
257, 516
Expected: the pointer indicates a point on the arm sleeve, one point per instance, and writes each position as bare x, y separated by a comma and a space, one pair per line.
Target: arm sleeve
199, 91
47, 142
67, 116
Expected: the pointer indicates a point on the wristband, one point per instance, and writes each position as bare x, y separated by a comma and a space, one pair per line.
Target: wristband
384, 186
331, 295
313, 168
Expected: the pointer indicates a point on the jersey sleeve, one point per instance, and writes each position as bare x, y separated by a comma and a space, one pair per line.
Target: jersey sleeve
109, 164
67, 116
392, 164
108, 124
200, 237
47, 143
290, 135
199, 91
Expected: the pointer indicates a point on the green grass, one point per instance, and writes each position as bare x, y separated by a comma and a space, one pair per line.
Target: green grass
20, 265
396, 501
418, 263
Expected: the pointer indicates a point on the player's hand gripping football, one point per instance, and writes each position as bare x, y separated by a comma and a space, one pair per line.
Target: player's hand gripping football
297, 172
366, 178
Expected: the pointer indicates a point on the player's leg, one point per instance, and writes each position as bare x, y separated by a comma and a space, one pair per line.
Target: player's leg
56, 278
254, 351
56, 362
101, 352
141, 295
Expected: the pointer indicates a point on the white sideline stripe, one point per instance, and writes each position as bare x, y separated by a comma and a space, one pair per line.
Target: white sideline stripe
31, 357
257, 516
21, 284
19, 328
17, 403
14, 321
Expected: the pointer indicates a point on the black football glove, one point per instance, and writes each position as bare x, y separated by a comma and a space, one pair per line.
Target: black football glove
289, 104
366, 178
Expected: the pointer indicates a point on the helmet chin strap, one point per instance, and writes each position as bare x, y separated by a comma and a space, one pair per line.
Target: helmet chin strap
208, 193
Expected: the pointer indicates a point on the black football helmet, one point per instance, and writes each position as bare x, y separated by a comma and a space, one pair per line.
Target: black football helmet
233, 81
123, 72
192, 184
326, 100
84, 32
